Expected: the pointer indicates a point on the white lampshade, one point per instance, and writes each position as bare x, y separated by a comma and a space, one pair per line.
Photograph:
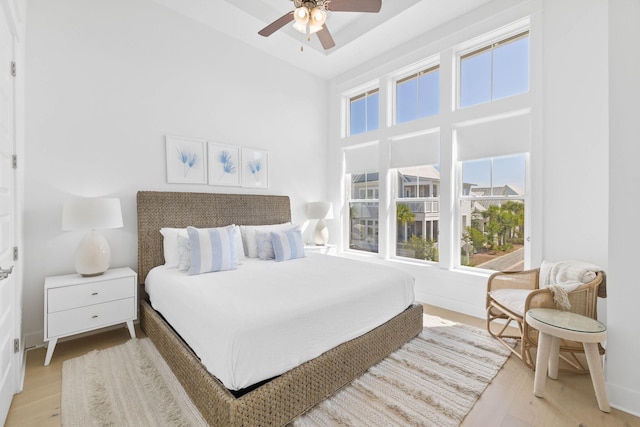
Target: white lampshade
320, 211
93, 255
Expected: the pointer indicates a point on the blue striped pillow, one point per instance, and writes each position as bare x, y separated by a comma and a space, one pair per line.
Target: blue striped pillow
287, 245
212, 249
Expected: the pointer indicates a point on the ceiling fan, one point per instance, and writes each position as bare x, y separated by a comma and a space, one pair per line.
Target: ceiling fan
310, 17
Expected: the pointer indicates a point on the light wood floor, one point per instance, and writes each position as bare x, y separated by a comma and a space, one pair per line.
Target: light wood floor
507, 402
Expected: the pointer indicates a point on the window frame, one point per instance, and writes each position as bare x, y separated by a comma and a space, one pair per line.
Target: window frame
485, 44
357, 95
445, 52
433, 200
415, 73
350, 199
460, 197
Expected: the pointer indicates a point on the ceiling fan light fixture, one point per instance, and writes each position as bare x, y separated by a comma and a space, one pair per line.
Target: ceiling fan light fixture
318, 17
309, 17
301, 15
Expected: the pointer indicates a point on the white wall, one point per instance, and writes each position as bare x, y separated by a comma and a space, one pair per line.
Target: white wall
106, 80
623, 375
576, 167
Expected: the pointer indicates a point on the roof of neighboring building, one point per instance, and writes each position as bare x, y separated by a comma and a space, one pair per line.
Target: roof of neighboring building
411, 174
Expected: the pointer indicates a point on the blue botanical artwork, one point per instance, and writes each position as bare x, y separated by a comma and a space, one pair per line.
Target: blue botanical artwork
227, 162
255, 168
186, 160
224, 161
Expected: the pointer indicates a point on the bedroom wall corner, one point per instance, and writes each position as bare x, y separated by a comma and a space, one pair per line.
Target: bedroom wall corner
106, 81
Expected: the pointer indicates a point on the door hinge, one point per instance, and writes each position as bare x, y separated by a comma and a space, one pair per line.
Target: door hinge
16, 345
15, 253
14, 161
13, 68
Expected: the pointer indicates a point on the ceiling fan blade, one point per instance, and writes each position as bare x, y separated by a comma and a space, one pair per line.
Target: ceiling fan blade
276, 25
372, 6
325, 38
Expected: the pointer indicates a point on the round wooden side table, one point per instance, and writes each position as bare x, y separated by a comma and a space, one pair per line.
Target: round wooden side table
555, 325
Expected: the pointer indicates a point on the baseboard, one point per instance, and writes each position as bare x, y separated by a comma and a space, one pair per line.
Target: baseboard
624, 399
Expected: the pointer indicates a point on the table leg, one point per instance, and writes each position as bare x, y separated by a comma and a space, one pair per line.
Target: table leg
542, 358
597, 376
132, 330
554, 357
50, 348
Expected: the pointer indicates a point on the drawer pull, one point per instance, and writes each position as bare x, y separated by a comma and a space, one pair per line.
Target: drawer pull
95, 316
94, 294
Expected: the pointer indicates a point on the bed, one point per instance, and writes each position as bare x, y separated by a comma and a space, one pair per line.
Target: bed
275, 400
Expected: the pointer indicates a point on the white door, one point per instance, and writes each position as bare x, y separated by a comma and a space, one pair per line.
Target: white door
9, 324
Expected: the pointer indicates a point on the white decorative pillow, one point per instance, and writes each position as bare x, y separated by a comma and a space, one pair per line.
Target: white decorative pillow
170, 245
249, 236
212, 249
265, 247
287, 244
184, 249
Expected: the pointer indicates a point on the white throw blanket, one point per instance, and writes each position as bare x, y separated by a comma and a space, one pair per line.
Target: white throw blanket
565, 276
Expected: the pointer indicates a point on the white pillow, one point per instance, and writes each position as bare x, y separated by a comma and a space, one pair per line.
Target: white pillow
174, 254
184, 249
249, 235
265, 247
287, 244
212, 249
170, 245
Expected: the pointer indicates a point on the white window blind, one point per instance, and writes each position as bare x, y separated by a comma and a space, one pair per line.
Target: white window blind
361, 159
501, 137
417, 150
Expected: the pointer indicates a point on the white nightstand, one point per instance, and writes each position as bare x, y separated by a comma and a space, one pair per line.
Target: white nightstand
74, 304
325, 249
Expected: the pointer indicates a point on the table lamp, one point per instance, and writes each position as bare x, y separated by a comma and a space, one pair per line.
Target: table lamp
93, 255
320, 211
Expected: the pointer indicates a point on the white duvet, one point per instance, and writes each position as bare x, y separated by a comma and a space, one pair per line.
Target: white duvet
267, 317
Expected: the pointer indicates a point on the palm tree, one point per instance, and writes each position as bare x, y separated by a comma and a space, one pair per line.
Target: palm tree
404, 216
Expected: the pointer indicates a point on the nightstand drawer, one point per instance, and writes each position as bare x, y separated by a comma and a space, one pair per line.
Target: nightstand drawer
68, 297
69, 322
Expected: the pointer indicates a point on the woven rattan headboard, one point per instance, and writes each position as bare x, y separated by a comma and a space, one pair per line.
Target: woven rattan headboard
171, 209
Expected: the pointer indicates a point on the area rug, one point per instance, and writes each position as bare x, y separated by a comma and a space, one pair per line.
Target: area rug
434, 380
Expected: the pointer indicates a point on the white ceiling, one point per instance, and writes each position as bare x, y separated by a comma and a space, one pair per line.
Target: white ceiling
359, 36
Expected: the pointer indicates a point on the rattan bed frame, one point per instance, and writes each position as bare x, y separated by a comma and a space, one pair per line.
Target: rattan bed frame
280, 400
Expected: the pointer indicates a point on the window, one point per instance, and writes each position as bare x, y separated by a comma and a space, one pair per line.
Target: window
418, 95
363, 212
417, 212
495, 71
492, 206
364, 112
444, 184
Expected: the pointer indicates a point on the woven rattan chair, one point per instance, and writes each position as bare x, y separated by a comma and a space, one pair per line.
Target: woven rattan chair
511, 294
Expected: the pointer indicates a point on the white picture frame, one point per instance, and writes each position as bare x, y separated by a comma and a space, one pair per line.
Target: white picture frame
225, 164
186, 160
255, 168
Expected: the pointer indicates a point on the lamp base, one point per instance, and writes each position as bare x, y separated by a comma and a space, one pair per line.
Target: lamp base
93, 255
321, 233
92, 275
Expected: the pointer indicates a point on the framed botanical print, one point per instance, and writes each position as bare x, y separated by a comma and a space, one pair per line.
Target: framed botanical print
224, 164
255, 168
186, 160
